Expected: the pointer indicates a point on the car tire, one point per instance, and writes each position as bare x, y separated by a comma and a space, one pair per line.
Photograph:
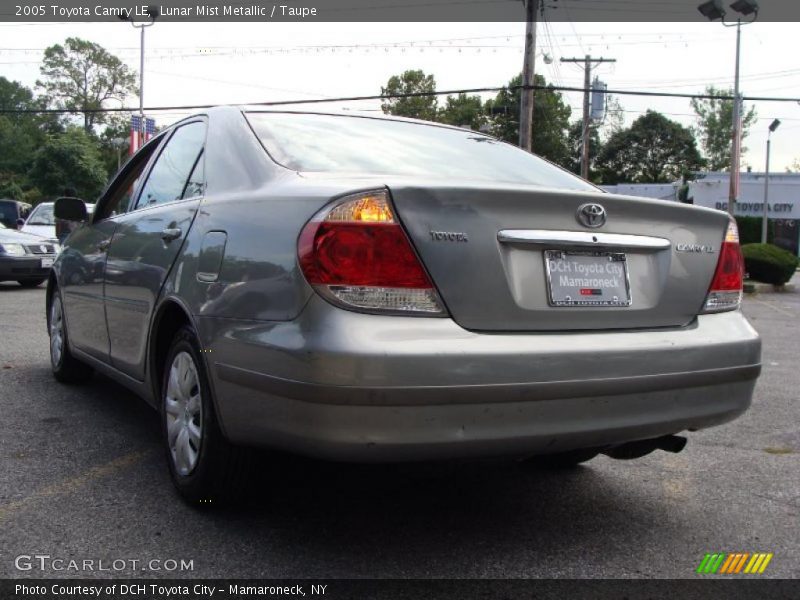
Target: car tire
562, 460
66, 368
205, 467
30, 283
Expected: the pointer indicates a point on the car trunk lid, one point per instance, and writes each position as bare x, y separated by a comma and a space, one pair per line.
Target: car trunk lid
489, 249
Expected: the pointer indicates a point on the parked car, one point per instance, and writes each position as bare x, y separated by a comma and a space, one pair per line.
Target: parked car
43, 223
380, 289
25, 258
13, 212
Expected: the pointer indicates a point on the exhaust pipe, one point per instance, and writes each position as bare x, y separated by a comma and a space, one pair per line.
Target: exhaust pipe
639, 448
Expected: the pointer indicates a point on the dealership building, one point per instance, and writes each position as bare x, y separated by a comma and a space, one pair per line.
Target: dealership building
711, 190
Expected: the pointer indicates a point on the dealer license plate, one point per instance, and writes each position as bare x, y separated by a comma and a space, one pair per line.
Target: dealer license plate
47, 262
587, 278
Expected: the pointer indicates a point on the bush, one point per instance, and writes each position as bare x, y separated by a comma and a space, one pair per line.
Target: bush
768, 263
750, 230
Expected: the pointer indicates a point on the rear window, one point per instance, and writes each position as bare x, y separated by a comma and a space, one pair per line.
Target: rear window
345, 144
8, 211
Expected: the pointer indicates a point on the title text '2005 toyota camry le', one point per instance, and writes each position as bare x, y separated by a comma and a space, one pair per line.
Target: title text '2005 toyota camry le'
378, 289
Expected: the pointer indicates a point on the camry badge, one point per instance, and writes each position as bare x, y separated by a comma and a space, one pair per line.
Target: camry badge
694, 248
591, 215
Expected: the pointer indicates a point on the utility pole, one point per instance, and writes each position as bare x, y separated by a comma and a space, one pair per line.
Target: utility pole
526, 105
736, 146
587, 61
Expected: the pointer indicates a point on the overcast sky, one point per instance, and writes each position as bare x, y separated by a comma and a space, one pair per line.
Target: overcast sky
220, 63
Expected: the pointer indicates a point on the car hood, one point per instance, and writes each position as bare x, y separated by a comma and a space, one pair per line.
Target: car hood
11, 236
44, 231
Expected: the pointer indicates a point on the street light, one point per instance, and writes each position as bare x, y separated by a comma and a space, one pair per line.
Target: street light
713, 11
153, 13
772, 127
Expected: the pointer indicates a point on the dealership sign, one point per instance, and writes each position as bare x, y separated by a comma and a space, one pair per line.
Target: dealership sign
784, 196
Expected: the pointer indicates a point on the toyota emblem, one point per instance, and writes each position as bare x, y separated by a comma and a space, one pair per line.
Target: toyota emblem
591, 215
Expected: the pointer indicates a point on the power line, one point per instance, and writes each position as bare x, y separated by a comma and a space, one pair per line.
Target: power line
512, 88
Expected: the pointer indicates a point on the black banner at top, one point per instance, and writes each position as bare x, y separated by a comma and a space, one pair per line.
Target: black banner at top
395, 10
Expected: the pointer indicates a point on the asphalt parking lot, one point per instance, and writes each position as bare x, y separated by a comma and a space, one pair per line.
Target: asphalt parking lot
82, 476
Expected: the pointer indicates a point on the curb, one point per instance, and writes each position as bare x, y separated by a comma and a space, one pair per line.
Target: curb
754, 287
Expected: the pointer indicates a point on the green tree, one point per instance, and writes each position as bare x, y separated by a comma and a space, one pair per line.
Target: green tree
71, 159
463, 110
715, 126
653, 149
10, 188
21, 133
550, 119
82, 76
416, 107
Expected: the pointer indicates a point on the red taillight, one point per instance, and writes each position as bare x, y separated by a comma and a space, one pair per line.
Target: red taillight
357, 254
374, 254
725, 292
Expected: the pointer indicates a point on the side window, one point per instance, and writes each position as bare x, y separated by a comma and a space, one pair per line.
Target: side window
177, 169
118, 199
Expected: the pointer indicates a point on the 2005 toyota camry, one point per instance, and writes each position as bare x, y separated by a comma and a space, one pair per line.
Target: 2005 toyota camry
379, 289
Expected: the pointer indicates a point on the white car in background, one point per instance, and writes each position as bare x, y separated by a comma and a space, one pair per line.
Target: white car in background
42, 222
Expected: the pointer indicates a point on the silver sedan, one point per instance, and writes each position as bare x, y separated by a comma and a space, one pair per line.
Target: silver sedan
380, 289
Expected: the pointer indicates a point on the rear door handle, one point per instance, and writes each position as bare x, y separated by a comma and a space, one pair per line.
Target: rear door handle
171, 233
103, 246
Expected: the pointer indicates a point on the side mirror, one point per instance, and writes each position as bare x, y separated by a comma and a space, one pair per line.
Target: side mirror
70, 209
20, 223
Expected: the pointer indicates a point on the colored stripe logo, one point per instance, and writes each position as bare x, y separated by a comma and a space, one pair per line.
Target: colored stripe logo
722, 563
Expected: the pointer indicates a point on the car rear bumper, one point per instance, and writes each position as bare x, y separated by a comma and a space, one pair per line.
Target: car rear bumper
349, 386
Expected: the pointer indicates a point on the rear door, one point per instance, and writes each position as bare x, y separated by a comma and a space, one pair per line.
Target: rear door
525, 258
81, 266
147, 241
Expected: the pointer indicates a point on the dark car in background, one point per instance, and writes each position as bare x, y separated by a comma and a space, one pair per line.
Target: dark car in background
25, 258
13, 212
379, 289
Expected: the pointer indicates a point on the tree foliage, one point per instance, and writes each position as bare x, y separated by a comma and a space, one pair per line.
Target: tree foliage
69, 160
415, 107
715, 126
499, 114
463, 111
21, 134
81, 75
654, 149
550, 119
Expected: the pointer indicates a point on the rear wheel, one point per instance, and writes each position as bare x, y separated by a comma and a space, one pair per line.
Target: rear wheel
204, 466
30, 283
562, 460
66, 368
